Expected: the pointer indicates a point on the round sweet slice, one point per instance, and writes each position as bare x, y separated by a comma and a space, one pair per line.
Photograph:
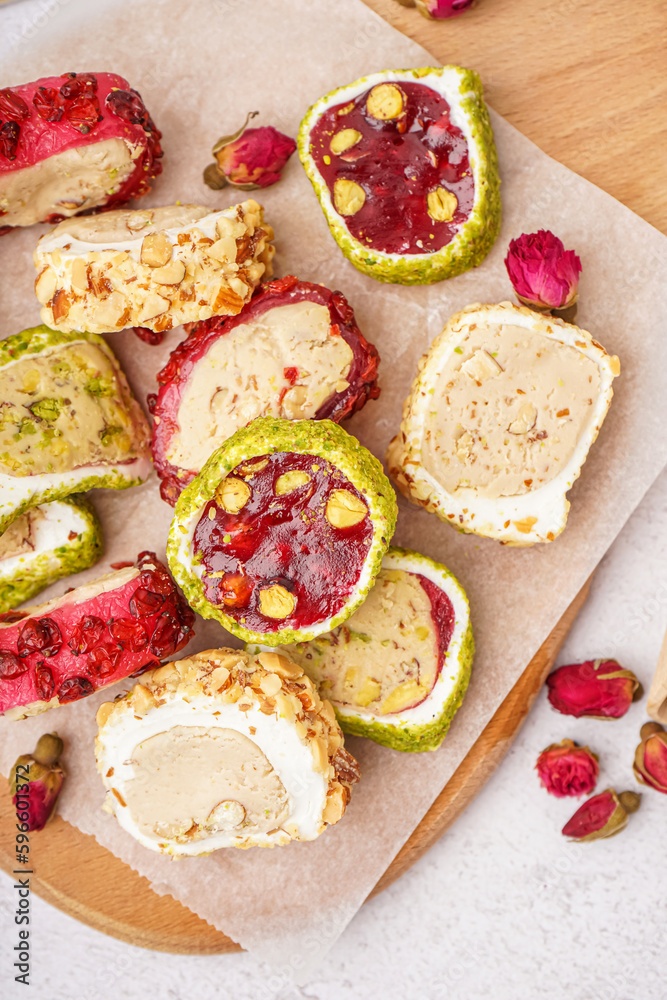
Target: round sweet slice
91, 637
282, 533
294, 351
499, 421
223, 749
45, 544
156, 268
398, 669
68, 420
404, 165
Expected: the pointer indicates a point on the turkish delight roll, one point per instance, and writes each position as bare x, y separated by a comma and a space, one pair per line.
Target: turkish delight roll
294, 351
397, 670
282, 533
156, 268
74, 143
45, 544
405, 168
91, 637
68, 420
499, 421
223, 749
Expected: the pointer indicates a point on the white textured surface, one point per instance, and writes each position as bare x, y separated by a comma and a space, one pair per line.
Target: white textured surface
503, 907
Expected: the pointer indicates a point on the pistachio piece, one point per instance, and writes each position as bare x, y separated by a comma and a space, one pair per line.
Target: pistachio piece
405, 694
232, 494
345, 139
227, 815
349, 196
156, 249
171, 274
525, 419
345, 509
276, 601
290, 481
441, 204
386, 101
370, 691
250, 469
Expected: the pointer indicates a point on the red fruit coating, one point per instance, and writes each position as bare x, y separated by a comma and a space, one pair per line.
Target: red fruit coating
152, 337
173, 378
591, 689
74, 111
397, 162
285, 540
590, 817
9, 139
79, 643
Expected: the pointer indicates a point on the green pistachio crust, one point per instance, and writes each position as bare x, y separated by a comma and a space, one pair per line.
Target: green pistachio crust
33, 341
477, 235
72, 557
264, 436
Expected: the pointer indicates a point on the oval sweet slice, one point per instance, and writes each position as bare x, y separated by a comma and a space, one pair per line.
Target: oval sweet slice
45, 544
153, 268
404, 165
499, 422
91, 637
398, 669
73, 143
223, 749
294, 351
69, 420
282, 533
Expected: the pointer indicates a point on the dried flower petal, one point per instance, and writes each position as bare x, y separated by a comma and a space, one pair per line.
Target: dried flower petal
251, 157
650, 764
35, 782
602, 816
567, 769
436, 10
599, 689
543, 273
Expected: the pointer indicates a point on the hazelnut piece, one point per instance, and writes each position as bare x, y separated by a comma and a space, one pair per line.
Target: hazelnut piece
386, 101
276, 601
232, 494
441, 204
156, 249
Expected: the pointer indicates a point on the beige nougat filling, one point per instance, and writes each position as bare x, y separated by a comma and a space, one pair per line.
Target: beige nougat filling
385, 657
190, 776
61, 409
508, 411
68, 182
19, 537
242, 377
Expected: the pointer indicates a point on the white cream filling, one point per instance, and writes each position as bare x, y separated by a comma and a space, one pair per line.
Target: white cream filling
66, 183
241, 377
291, 760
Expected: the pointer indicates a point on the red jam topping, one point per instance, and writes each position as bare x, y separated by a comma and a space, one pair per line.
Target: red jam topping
398, 161
288, 557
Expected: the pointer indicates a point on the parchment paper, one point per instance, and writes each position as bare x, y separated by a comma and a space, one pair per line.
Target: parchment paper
200, 67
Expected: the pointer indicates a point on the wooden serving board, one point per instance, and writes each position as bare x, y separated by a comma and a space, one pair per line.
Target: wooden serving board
587, 83
108, 895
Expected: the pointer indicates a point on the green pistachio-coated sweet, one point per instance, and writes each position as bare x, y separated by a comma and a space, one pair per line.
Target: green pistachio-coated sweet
22, 578
268, 435
462, 89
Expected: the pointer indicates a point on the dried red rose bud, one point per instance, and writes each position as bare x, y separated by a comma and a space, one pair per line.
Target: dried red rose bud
437, 10
567, 769
599, 689
543, 273
249, 158
35, 782
602, 816
650, 764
